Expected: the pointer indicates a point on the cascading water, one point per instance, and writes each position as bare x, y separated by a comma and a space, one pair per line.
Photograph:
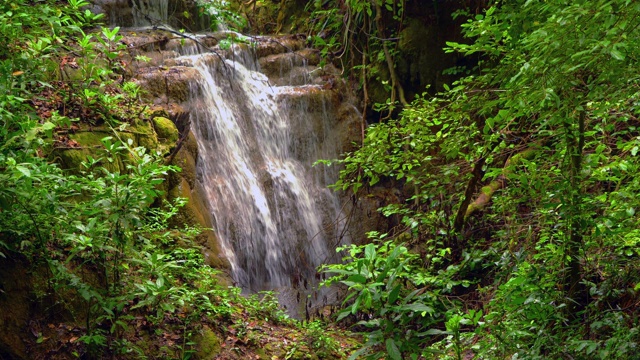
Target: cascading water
150, 12
272, 212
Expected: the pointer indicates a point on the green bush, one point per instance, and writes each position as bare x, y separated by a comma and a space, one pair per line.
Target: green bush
391, 296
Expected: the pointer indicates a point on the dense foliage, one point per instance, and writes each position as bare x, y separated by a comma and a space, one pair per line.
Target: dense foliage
521, 183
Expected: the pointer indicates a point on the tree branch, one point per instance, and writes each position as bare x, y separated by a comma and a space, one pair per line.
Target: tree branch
500, 182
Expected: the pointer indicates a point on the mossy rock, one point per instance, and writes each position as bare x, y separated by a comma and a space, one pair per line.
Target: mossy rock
195, 213
166, 130
157, 111
189, 214
89, 143
275, 350
144, 135
191, 144
208, 344
187, 163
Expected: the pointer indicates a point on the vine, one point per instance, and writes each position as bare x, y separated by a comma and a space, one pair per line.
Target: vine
354, 33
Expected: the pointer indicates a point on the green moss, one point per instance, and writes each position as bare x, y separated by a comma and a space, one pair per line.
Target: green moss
91, 138
189, 214
208, 344
191, 144
157, 111
261, 354
187, 163
166, 130
87, 143
144, 135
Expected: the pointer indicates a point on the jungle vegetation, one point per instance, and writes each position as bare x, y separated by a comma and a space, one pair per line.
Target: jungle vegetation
519, 233
518, 237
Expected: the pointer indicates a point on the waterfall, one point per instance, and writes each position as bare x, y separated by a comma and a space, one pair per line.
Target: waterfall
150, 12
272, 212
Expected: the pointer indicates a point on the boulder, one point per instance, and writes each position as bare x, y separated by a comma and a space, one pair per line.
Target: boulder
165, 129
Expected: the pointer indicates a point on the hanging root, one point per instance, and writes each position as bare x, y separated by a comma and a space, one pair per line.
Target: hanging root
396, 86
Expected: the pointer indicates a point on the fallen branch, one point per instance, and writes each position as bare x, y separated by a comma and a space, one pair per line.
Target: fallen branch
478, 173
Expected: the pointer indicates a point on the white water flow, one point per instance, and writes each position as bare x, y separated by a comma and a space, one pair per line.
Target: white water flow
273, 214
150, 12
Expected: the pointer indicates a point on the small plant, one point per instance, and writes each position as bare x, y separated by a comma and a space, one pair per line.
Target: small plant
132, 90
387, 292
265, 305
111, 45
318, 339
454, 330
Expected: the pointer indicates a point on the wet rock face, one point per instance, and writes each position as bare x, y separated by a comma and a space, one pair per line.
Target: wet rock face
166, 85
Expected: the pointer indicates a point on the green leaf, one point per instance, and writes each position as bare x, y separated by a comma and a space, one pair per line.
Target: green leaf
392, 350
25, 171
370, 251
343, 314
48, 125
435, 332
357, 278
616, 54
393, 295
418, 307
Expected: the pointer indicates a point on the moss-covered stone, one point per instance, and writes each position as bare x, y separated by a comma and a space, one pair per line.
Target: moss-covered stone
189, 214
166, 130
88, 142
145, 136
187, 163
195, 213
191, 144
157, 111
208, 344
